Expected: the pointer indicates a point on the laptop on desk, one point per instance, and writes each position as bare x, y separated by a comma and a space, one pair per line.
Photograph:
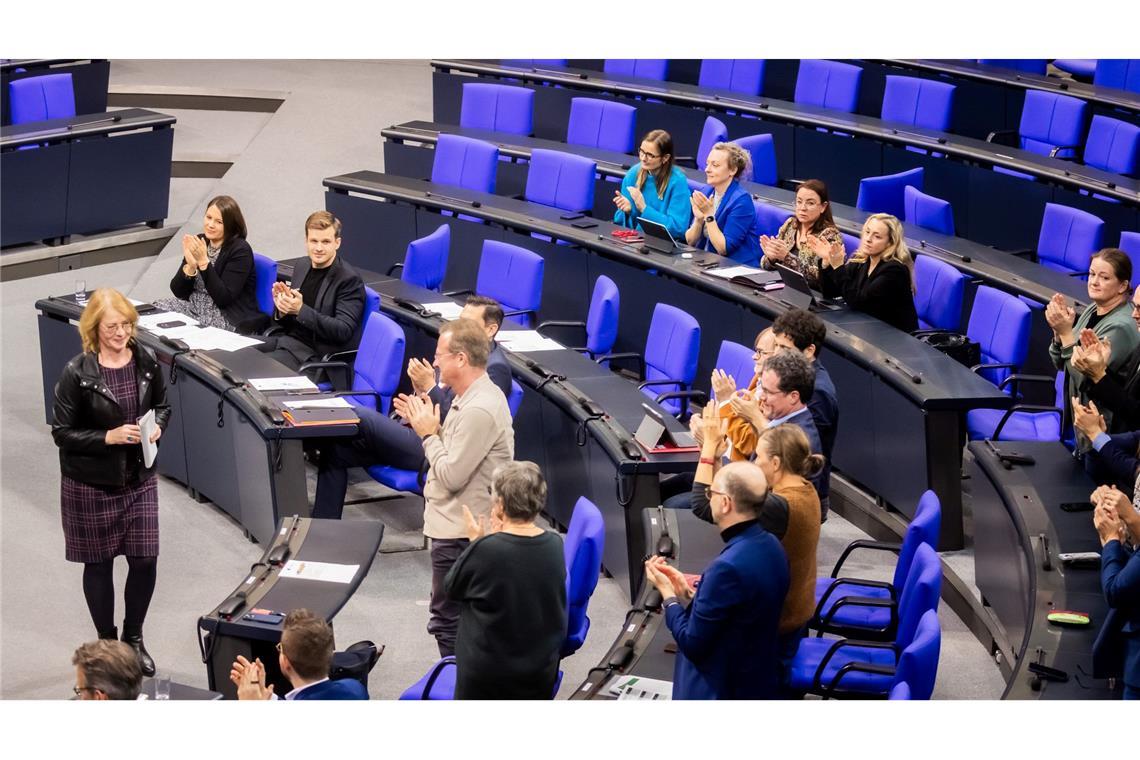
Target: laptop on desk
659, 240
797, 293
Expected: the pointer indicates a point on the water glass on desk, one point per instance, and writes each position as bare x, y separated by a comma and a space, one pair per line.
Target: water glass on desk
81, 292
162, 685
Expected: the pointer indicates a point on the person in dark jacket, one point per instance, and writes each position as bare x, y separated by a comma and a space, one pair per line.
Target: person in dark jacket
109, 500
879, 278
216, 283
1117, 522
1118, 393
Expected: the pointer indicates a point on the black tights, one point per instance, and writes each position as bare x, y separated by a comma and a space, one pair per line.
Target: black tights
99, 589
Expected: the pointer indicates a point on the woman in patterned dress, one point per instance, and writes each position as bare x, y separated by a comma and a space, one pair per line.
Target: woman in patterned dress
805, 237
217, 281
109, 498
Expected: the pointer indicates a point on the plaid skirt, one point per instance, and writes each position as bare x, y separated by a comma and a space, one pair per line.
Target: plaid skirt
101, 523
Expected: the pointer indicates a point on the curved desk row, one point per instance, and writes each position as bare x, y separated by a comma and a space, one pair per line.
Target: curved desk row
89, 79
901, 401
989, 207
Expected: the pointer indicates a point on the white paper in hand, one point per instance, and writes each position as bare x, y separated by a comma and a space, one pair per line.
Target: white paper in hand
147, 426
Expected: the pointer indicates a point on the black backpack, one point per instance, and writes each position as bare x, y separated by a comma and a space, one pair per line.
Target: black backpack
955, 345
355, 662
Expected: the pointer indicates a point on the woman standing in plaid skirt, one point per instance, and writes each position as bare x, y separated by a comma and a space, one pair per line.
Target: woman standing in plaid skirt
109, 497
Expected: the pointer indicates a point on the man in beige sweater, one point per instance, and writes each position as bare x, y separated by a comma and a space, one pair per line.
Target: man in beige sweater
477, 437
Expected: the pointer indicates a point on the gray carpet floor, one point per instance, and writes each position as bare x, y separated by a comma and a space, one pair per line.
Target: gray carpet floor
329, 123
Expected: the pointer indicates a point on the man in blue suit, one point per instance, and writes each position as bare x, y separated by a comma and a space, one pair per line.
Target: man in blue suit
727, 634
1115, 520
305, 656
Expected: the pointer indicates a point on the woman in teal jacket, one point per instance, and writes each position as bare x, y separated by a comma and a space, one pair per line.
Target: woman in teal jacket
654, 189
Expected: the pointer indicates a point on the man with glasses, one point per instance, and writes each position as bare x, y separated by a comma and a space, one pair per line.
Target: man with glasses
107, 669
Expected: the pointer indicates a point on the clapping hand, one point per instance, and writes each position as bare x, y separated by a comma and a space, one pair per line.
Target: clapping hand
713, 428
1088, 420
249, 678
833, 255
476, 528
702, 205
188, 253
622, 202
638, 198
1060, 317
679, 584
1107, 522
286, 300
659, 579
420, 413
198, 249
774, 248
422, 375
723, 385
745, 405
1090, 355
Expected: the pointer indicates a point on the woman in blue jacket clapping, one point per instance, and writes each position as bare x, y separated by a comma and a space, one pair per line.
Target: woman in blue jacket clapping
725, 222
654, 189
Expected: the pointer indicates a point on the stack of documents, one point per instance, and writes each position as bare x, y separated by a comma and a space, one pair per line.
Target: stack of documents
186, 329
523, 341
446, 309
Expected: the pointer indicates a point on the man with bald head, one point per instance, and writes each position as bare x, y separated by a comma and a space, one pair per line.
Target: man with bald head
727, 628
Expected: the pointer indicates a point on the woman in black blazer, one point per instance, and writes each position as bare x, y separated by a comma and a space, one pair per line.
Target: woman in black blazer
217, 281
879, 278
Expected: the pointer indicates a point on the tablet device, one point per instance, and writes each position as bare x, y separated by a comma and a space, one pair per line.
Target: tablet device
658, 238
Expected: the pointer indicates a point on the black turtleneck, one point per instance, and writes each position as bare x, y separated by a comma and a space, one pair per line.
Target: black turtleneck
731, 532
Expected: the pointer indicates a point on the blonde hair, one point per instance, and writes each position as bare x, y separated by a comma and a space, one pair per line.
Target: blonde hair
738, 158
102, 301
896, 249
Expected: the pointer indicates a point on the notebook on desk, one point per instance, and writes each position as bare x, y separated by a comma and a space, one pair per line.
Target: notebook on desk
310, 416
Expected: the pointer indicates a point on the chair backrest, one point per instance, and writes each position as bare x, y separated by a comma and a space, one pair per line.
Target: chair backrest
497, 107
828, 84
51, 96
1122, 73
602, 319
671, 351
927, 211
762, 148
583, 548
265, 270
940, 290
999, 322
371, 302
918, 664
1130, 244
425, 263
562, 180
1069, 237
712, 132
739, 75
885, 195
919, 102
1028, 65
601, 124
735, 359
1049, 120
924, 528
769, 218
1113, 145
512, 276
919, 594
515, 399
379, 361
900, 691
850, 243
646, 68
464, 162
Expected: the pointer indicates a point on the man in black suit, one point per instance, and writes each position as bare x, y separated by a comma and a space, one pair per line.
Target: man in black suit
386, 441
324, 314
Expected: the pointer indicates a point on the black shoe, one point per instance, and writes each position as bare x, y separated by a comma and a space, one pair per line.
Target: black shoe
112, 634
135, 641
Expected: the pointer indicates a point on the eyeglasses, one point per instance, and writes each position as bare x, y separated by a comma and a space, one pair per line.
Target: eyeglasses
438, 355
645, 154
112, 329
279, 649
80, 689
709, 491
765, 392
758, 354
809, 203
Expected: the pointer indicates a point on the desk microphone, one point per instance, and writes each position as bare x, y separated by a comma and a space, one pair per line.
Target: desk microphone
940, 249
438, 196
107, 120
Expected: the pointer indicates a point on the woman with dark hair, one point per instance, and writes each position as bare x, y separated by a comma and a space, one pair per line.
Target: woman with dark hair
217, 281
806, 237
109, 499
654, 189
725, 222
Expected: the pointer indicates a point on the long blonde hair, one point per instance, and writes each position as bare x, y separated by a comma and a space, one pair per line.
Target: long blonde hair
102, 301
896, 249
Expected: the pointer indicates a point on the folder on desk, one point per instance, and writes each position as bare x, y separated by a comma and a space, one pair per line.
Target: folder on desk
309, 416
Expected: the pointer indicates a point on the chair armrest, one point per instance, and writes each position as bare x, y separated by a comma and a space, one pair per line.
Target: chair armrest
1028, 253
624, 355
466, 291
272, 330
515, 312
1029, 408
1058, 148
323, 365
817, 683
665, 381
559, 323
394, 267
829, 691
701, 397
864, 544
851, 582
690, 161
348, 352
999, 365
1019, 378
864, 601
1003, 133
1077, 274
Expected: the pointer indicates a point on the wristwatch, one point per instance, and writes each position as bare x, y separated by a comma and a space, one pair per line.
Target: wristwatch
710, 219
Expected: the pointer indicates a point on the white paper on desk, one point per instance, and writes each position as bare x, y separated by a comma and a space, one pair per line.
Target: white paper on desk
224, 340
151, 321
446, 309
292, 383
321, 403
193, 336
729, 272
147, 426
329, 572
639, 688
527, 340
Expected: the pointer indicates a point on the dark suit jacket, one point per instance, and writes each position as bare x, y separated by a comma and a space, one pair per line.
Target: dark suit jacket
1119, 394
335, 321
824, 406
231, 281
497, 369
342, 688
727, 637
1120, 581
884, 294
1116, 462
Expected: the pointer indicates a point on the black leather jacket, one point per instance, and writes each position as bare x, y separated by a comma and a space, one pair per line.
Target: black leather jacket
85, 410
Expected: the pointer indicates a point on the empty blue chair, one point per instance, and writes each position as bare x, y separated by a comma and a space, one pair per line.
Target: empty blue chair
940, 290
464, 162
1113, 146
1051, 124
51, 96
886, 194
999, 323
513, 277
762, 148
1130, 244
769, 218
712, 133
669, 363
1122, 73
1021, 422
438, 684
646, 68
918, 102
1028, 65
379, 362
561, 180
582, 549
265, 275
1081, 67
601, 124
601, 325
828, 84
1069, 237
927, 211
425, 263
745, 76
497, 107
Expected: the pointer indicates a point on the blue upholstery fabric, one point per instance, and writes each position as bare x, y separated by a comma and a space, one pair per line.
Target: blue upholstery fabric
927, 211
735, 359
1113, 146
739, 75
516, 397
379, 361
497, 107
885, 195
582, 549
918, 665
850, 243
762, 148
425, 263
371, 302
266, 275
646, 68
769, 219
1028, 65
1122, 73
396, 479
1130, 244
1049, 120
941, 289
1021, 426
561, 180
1069, 237
1082, 67
714, 131
51, 96
602, 320
828, 84
999, 322
671, 351
464, 162
512, 276
443, 688
918, 102
900, 691
601, 124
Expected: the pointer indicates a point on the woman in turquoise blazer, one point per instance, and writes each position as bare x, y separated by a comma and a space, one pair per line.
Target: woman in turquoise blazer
654, 189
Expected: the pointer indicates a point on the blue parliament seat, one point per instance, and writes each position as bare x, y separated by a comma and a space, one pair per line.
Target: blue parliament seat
769, 218
513, 277
1121, 73
51, 96
1079, 67
1051, 124
940, 291
601, 325
745, 76
582, 549
561, 180
927, 211
1113, 145
1021, 422
828, 84
712, 132
1028, 65
601, 124
1068, 239
646, 68
1000, 324
886, 194
465, 162
265, 275
378, 364
497, 107
918, 102
425, 262
762, 148
1130, 244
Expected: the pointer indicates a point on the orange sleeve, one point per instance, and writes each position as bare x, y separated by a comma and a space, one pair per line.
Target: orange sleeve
740, 431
